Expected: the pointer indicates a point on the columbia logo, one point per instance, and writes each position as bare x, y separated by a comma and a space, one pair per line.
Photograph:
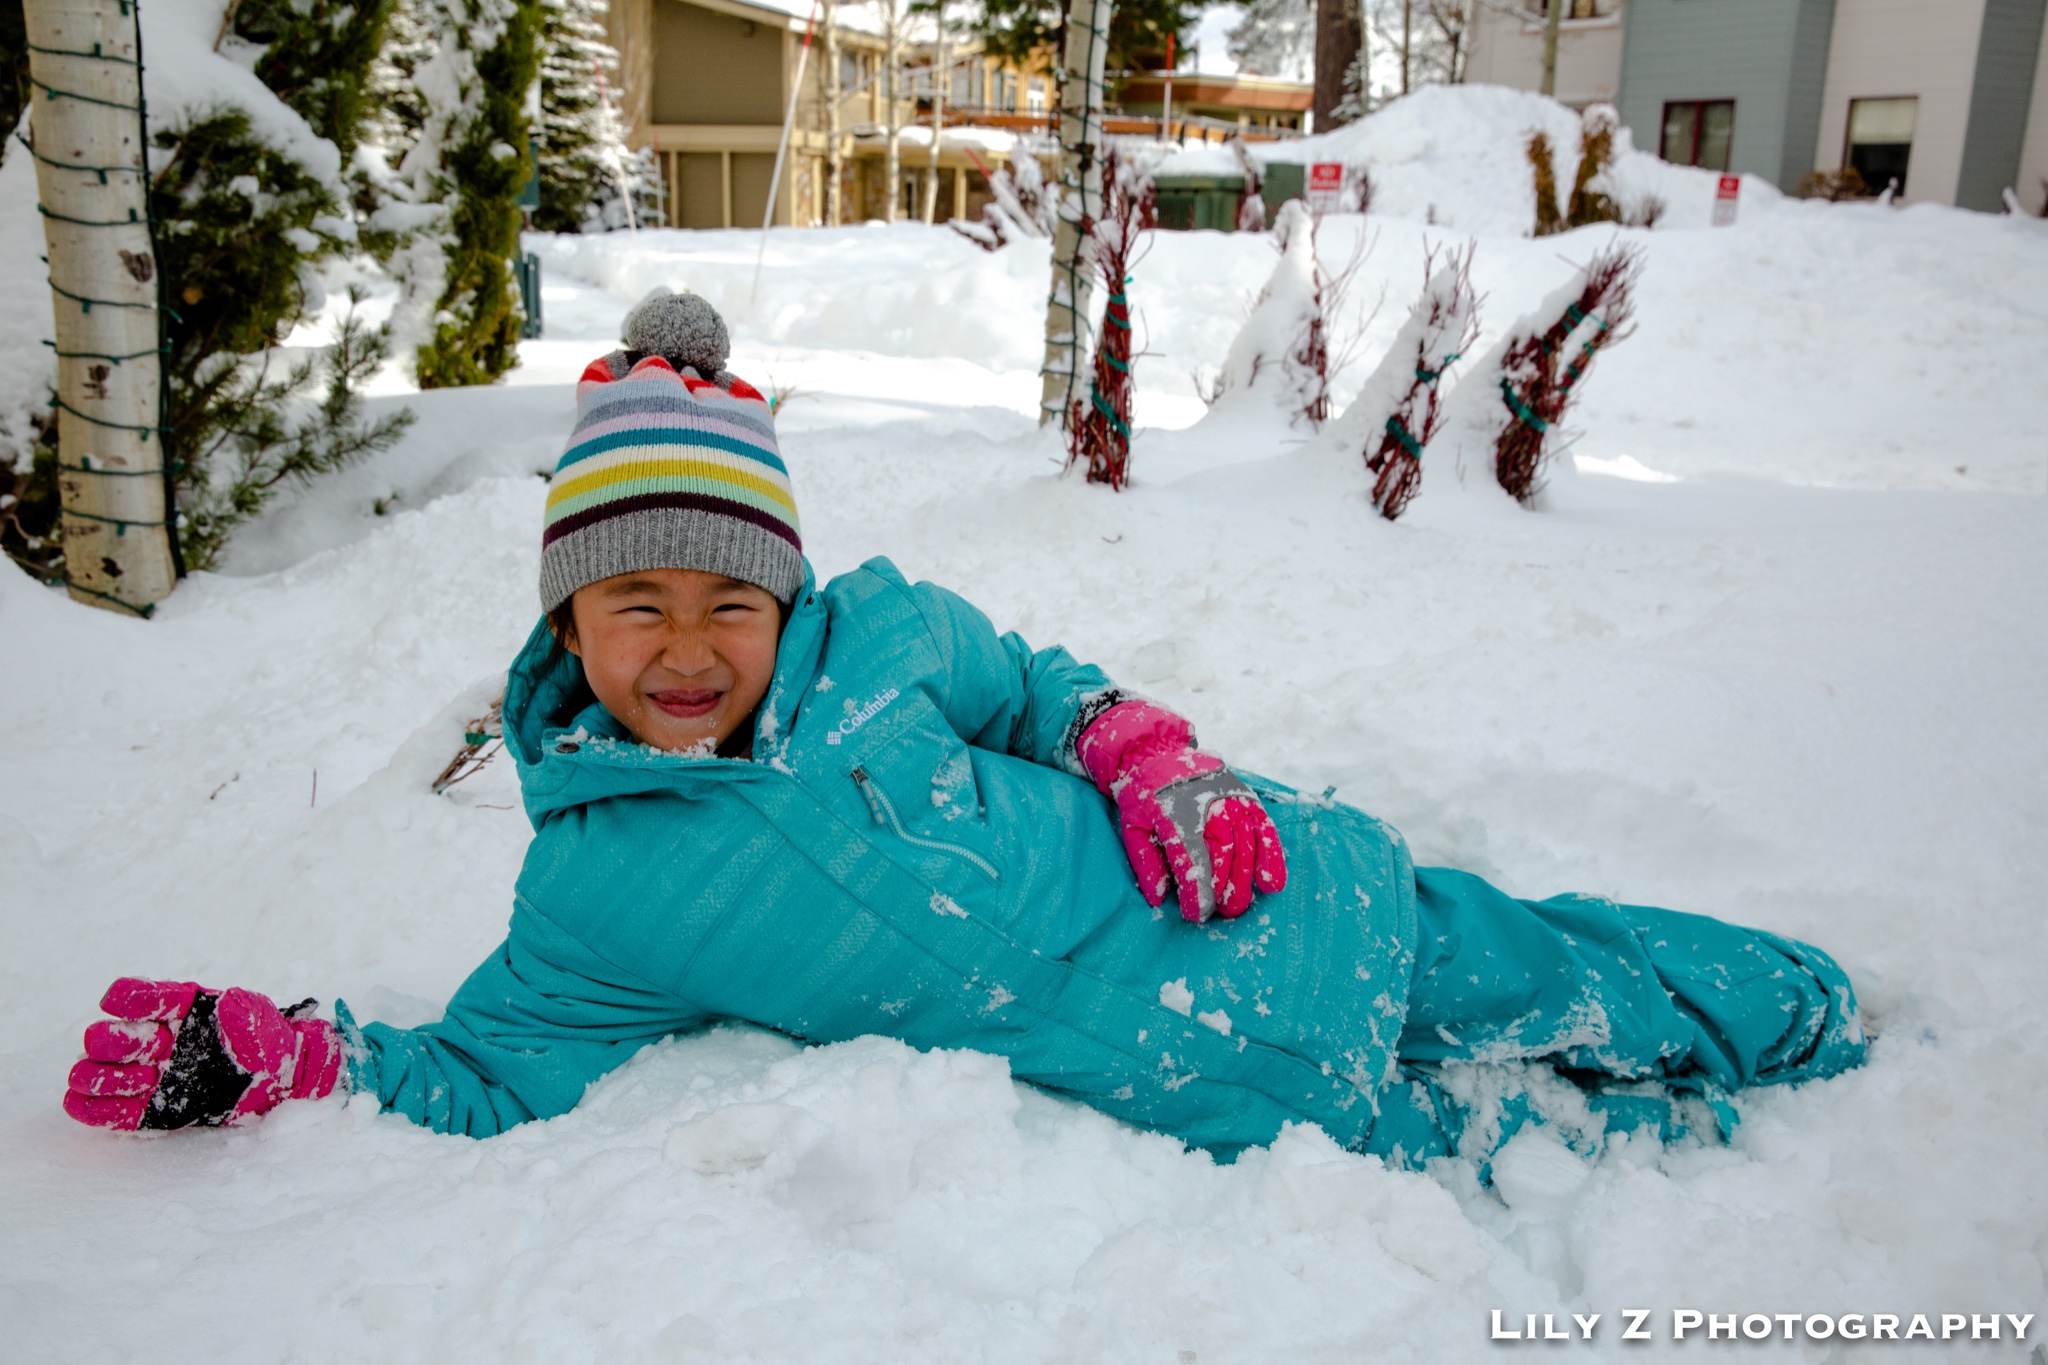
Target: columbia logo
859, 716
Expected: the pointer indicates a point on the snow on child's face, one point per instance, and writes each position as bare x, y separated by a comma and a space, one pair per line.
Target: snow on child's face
680, 657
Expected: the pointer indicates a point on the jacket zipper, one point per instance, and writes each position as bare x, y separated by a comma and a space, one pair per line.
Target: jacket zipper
885, 814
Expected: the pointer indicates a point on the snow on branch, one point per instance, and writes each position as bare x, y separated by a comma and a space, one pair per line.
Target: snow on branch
1400, 408
1021, 206
1100, 430
1291, 347
1540, 371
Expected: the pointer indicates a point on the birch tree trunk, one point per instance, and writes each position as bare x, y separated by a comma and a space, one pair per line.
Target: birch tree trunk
892, 170
91, 175
942, 77
1080, 204
828, 12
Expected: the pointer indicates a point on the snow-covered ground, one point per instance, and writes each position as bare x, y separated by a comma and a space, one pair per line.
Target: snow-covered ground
1775, 653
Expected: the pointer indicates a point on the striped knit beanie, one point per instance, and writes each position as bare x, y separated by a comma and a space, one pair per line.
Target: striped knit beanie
669, 471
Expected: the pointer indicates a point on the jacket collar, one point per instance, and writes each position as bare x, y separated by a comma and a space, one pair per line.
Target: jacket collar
570, 750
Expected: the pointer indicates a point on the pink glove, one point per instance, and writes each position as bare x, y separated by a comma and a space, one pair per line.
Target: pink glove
1187, 819
176, 1054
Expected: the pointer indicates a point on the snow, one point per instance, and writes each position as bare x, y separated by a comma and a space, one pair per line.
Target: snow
188, 78
1775, 654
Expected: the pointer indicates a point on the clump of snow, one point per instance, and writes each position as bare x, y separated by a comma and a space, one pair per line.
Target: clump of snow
1269, 361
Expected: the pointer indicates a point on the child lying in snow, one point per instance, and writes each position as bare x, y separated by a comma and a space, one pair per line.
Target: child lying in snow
856, 808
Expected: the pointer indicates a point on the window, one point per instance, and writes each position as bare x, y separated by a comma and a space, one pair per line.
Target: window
1699, 133
1573, 9
1881, 140
849, 72
1035, 98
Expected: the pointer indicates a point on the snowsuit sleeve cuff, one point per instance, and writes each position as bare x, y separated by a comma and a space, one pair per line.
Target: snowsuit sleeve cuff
359, 1072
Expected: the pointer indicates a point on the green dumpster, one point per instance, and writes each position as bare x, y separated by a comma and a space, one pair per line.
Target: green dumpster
1189, 202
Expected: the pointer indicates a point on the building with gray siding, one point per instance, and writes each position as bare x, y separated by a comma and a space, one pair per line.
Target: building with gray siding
1944, 101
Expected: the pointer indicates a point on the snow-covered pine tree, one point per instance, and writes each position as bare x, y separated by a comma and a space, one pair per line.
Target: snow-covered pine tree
589, 179
400, 109
458, 188
249, 222
1400, 406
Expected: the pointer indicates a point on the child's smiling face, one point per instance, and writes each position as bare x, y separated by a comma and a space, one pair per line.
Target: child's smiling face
680, 657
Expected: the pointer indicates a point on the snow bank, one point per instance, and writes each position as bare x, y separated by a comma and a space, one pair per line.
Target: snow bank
955, 298
1457, 156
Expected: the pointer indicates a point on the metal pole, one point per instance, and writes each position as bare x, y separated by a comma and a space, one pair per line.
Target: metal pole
1166, 111
942, 76
803, 58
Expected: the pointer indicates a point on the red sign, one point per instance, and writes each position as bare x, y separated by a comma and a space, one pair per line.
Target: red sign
1326, 186
1726, 196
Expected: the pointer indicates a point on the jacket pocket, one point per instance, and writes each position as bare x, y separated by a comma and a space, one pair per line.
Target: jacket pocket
886, 815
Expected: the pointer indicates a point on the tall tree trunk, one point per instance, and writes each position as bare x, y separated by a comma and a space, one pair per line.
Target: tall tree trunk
892, 172
1080, 204
1340, 34
828, 11
1550, 23
942, 75
1407, 44
91, 169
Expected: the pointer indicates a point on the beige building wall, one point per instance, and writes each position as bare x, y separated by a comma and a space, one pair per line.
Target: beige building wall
2034, 154
1508, 50
1885, 48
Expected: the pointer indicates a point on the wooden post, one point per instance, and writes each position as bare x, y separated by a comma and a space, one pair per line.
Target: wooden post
1080, 203
834, 166
85, 65
1550, 22
942, 77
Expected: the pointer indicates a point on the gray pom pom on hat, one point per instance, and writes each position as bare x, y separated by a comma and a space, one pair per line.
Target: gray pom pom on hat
680, 328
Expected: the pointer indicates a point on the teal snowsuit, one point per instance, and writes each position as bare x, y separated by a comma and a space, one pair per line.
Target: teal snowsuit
914, 853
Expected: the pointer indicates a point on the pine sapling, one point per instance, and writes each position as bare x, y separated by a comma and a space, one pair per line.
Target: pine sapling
249, 442
1100, 434
1441, 327
1540, 371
